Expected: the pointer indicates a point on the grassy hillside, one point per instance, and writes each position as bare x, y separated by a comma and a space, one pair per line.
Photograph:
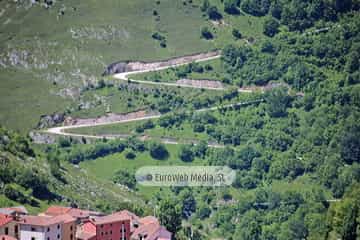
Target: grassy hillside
296, 154
30, 177
41, 47
63, 48
106, 167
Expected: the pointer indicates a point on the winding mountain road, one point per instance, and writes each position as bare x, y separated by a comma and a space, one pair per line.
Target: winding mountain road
125, 76
62, 130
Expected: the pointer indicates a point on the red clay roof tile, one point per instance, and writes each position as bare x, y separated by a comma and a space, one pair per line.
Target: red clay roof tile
40, 220
5, 219
57, 210
65, 218
109, 219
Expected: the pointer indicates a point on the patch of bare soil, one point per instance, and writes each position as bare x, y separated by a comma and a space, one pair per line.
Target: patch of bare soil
204, 83
129, 66
220, 23
108, 118
135, 66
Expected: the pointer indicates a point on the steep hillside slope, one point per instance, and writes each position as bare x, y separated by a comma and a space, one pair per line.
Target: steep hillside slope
27, 178
55, 51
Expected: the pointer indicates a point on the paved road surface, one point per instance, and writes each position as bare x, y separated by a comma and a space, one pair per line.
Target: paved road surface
125, 77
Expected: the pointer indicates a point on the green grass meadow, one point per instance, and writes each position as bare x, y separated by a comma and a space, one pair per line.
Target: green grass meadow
105, 168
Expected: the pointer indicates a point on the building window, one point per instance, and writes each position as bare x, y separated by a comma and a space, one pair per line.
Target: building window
71, 237
33, 238
6, 231
71, 228
58, 236
48, 238
110, 232
48, 229
16, 230
123, 231
58, 226
33, 229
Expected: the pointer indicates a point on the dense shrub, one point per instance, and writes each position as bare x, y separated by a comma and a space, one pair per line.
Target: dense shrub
126, 178
158, 151
256, 7
271, 27
130, 154
100, 149
236, 33
15, 195
231, 6
186, 154
206, 33
278, 101
158, 36
213, 13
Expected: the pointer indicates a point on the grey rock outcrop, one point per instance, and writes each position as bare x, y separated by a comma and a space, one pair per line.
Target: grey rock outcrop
47, 121
117, 67
42, 138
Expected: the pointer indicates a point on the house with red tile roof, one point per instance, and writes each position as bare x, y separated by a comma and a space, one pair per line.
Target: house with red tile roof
83, 214
21, 210
56, 210
68, 223
114, 226
86, 231
146, 228
13, 211
68, 229
79, 214
8, 226
134, 219
5, 219
150, 229
41, 228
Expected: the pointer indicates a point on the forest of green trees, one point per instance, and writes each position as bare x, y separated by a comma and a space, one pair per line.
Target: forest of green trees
306, 127
304, 133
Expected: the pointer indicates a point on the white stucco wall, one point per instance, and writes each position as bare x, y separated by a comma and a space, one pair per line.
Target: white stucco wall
40, 233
